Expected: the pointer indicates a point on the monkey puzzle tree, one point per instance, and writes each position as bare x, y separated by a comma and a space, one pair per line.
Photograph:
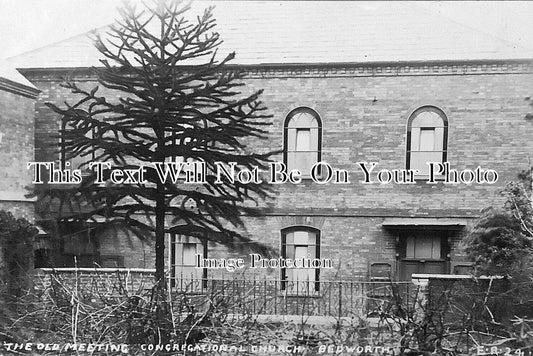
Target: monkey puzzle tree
167, 98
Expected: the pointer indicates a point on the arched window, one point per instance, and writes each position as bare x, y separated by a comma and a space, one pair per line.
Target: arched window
302, 144
427, 138
296, 243
184, 272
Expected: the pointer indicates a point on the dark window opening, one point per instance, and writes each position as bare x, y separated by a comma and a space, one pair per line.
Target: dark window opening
80, 250
423, 251
42, 258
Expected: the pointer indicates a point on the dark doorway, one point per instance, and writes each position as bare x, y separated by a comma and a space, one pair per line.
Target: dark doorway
423, 251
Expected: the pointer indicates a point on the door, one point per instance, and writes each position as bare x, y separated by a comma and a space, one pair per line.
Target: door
423, 251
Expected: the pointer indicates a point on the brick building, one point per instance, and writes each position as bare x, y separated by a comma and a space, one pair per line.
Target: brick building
389, 83
17, 102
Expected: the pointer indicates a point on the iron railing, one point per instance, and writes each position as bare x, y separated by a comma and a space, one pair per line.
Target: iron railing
243, 295
274, 297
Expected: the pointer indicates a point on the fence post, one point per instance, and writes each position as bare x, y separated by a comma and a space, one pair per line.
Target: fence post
340, 299
254, 287
264, 294
421, 297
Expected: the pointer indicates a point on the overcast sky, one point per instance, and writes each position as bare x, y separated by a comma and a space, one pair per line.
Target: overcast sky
30, 24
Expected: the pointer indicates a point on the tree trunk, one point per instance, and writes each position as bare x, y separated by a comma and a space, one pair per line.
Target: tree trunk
160, 242
163, 314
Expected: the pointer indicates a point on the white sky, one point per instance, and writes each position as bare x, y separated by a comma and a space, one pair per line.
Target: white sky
30, 24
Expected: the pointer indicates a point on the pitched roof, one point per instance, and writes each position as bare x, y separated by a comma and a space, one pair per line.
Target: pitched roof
8, 72
12, 80
292, 32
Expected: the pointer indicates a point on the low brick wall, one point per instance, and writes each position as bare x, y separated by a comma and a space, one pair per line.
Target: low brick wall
466, 293
111, 282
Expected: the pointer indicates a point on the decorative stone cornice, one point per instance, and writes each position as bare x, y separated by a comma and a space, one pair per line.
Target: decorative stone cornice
392, 213
330, 70
392, 70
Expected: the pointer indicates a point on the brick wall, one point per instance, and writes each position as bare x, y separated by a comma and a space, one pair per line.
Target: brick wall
136, 253
364, 115
16, 149
102, 282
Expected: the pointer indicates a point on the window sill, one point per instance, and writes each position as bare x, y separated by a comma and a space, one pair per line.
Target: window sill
188, 292
421, 178
285, 294
424, 260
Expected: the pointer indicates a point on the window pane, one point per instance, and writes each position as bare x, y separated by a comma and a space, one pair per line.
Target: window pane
303, 161
300, 275
303, 119
427, 119
289, 237
423, 247
436, 248
311, 238
300, 252
410, 247
420, 159
313, 140
189, 252
291, 139
302, 139
301, 237
290, 251
439, 138
427, 140
311, 252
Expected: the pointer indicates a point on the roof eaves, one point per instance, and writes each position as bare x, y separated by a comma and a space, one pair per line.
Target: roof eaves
525, 60
18, 88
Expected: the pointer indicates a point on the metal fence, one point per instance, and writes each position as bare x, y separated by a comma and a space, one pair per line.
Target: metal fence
275, 297
248, 295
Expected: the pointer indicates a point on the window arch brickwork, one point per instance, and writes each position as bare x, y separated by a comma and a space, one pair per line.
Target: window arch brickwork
302, 139
427, 138
300, 242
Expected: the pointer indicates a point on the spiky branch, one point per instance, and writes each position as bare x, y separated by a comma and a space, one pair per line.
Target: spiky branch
166, 95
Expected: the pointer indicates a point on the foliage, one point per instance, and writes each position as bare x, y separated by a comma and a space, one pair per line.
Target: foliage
166, 97
458, 317
501, 244
165, 110
113, 313
497, 243
16, 241
501, 241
